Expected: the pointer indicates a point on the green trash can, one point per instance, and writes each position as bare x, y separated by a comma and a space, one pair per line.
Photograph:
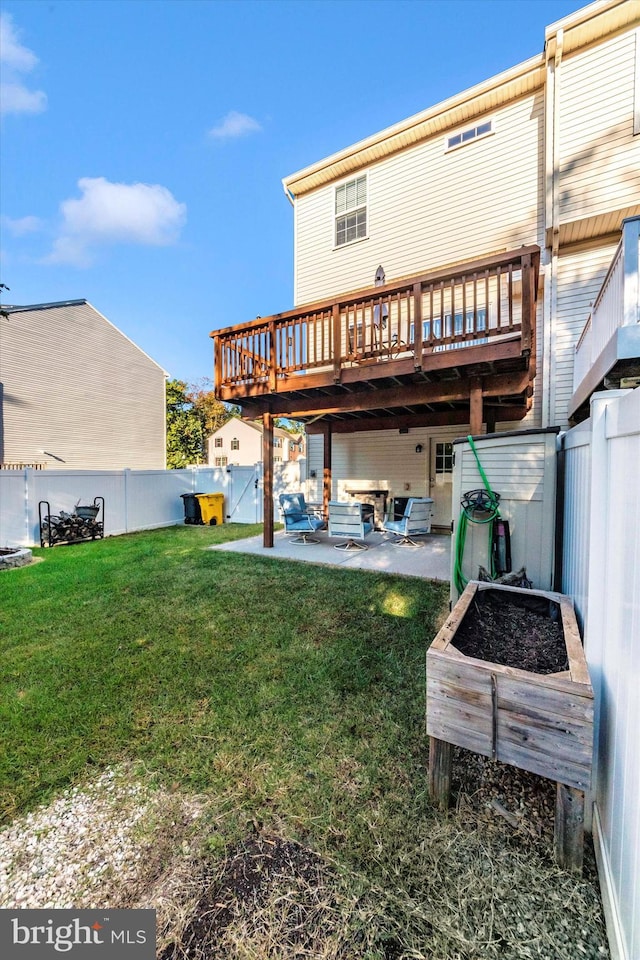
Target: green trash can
211, 507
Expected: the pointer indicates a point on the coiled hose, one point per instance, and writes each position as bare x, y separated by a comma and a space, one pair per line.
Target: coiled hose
478, 506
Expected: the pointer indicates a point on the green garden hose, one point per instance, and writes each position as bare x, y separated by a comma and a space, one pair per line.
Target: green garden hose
478, 506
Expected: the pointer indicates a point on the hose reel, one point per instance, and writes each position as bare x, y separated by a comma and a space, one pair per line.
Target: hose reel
481, 505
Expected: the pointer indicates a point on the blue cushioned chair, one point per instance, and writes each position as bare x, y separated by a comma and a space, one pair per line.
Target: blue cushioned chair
415, 521
346, 520
299, 520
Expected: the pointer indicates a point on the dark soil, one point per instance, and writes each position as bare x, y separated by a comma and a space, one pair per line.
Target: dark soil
252, 870
514, 630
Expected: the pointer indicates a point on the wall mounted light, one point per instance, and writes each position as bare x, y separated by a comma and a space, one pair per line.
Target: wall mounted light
418, 448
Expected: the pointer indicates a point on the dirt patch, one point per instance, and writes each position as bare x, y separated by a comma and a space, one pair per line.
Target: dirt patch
268, 890
514, 631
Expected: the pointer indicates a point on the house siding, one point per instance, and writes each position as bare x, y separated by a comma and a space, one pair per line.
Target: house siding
598, 153
428, 207
75, 386
579, 278
383, 459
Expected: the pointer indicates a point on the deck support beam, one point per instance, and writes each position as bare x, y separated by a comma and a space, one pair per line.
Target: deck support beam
267, 479
326, 473
475, 406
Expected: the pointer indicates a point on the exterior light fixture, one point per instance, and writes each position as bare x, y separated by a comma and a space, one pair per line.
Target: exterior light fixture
418, 448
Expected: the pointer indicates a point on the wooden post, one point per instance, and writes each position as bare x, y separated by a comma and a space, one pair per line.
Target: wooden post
475, 406
528, 303
326, 474
267, 461
336, 342
440, 757
569, 827
417, 325
273, 358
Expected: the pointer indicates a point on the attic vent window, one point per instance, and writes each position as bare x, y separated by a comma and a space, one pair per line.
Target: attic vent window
351, 211
472, 133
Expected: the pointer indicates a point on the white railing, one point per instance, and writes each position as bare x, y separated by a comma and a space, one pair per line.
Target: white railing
617, 305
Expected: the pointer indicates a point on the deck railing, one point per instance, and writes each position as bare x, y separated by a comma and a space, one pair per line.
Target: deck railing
617, 304
474, 303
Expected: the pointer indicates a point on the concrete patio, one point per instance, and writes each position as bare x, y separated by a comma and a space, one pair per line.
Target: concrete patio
431, 559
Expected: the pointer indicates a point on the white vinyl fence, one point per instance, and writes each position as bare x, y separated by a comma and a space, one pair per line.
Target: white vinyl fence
602, 562
134, 499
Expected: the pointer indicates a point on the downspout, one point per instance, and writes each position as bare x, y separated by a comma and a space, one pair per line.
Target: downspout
552, 223
291, 197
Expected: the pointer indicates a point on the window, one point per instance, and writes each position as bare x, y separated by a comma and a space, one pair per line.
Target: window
277, 441
472, 133
220, 461
351, 211
444, 458
235, 444
456, 330
218, 442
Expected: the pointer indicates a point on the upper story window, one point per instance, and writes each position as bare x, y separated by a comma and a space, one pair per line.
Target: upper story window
235, 444
217, 442
471, 133
351, 211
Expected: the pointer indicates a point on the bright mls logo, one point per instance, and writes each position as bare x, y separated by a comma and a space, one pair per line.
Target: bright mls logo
82, 934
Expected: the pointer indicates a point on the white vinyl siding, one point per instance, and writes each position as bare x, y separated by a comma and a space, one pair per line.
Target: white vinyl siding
599, 155
377, 459
79, 389
427, 208
580, 276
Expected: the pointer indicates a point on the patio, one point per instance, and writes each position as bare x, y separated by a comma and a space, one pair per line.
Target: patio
430, 560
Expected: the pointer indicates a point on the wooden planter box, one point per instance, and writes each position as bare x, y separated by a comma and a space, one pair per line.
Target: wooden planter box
540, 723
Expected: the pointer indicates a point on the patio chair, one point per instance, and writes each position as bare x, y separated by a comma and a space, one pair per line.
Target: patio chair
347, 520
299, 519
415, 521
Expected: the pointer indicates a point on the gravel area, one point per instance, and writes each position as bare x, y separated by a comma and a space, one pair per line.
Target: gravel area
91, 844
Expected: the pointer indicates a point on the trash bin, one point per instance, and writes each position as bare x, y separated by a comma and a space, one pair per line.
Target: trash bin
192, 512
211, 507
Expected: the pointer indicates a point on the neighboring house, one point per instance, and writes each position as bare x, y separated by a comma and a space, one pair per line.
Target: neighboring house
495, 216
239, 443
76, 393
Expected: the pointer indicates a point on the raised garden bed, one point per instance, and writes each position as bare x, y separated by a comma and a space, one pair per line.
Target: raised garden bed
539, 718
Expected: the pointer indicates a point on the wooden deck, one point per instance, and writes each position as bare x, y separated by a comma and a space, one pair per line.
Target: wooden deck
433, 348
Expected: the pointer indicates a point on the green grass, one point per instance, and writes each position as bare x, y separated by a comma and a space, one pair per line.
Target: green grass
289, 697
294, 677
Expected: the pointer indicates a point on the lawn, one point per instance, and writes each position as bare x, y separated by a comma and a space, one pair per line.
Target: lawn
289, 698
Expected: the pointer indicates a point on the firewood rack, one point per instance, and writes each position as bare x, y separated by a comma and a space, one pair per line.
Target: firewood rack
85, 523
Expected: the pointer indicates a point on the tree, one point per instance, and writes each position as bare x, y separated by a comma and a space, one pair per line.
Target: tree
3, 313
193, 414
213, 413
185, 432
295, 427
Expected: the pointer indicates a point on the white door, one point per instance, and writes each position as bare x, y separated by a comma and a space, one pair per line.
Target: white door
441, 481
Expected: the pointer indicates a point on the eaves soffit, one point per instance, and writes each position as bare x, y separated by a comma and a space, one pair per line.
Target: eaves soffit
486, 96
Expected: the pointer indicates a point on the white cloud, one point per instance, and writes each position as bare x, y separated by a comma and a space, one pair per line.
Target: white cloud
15, 60
114, 213
22, 225
235, 125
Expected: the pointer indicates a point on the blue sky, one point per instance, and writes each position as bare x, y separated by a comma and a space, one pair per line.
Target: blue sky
144, 141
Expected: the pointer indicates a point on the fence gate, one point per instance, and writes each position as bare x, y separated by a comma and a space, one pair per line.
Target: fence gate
244, 495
